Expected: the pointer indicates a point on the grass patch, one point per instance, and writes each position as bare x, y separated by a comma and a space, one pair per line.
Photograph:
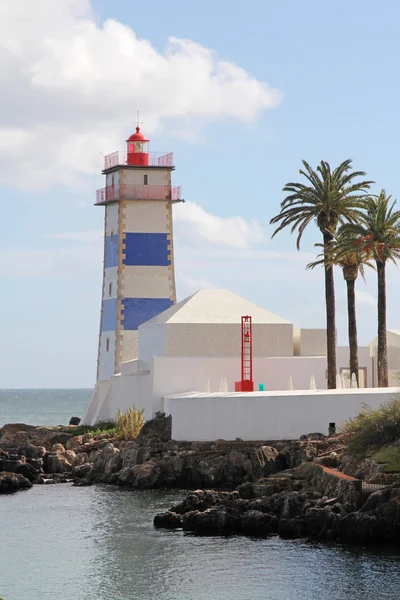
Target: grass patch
102, 427
374, 429
390, 457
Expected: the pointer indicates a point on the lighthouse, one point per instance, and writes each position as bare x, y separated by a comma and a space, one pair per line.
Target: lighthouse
138, 273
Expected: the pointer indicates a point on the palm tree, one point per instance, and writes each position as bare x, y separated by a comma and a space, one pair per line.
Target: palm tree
344, 251
329, 198
378, 230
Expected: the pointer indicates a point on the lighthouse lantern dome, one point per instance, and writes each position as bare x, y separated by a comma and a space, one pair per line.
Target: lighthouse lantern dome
138, 149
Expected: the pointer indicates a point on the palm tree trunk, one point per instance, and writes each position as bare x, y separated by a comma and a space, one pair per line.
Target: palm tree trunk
352, 327
383, 376
330, 318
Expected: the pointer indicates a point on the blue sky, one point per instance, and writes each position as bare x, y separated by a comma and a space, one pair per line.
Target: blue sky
72, 77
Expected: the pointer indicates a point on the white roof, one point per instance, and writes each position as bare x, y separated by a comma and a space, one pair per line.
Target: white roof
395, 331
214, 306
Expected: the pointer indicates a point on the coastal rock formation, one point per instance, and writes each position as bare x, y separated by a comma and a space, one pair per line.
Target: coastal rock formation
302, 510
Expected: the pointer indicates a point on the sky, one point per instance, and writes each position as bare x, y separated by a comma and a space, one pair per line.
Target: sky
241, 93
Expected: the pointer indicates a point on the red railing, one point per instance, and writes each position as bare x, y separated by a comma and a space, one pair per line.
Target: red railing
156, 159
112, 193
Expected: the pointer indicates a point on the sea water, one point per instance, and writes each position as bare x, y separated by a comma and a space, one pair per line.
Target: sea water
60, 542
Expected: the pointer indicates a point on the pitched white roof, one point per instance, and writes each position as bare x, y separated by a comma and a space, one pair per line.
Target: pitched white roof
395, 331
214, 306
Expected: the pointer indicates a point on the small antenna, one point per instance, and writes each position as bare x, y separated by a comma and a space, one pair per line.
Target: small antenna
138, 123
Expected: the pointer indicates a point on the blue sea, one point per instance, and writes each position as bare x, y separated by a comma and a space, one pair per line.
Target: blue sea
61, 542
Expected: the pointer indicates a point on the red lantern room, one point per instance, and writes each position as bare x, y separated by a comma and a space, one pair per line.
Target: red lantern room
138, 149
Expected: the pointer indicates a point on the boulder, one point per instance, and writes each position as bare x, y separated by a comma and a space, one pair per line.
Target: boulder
32, 451
28, 471
257, 523
74, 421
58, 449
80, 459
69, 455
126, 476
81, 471
213, 521
168, 520
291, 528
159, 427
107, 460
74, 442
147, 476
55, 463
12, 482
10, 465
129, 452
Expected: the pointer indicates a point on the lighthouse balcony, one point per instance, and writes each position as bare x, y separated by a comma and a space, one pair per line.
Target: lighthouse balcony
153, 159
113, 193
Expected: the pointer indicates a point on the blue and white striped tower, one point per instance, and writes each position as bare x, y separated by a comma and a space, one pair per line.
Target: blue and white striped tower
138, 280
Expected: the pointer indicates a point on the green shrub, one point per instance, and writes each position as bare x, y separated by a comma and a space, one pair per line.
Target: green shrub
129, 424
373, 429
101, 427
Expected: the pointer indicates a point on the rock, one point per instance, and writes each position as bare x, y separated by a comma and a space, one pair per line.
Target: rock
126, 476
55, 463
291, 528
74, 421
10, 465
129, 451
69, 455
58, 449
257, 523
80, 459
159, 427
81, 471
213, 521
107, 460
74, 442
333, 460
313, 436
13, 482
147, 476
247, 491
28, 471
168, 520
31, 451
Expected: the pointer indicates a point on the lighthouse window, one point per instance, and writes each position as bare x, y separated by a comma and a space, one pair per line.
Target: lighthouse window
107, 344
110, 289
145, 179
112, 237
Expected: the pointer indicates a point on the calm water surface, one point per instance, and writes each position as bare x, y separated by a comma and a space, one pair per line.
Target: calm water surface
58, 542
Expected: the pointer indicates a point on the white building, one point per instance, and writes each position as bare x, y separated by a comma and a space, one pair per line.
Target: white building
163, 356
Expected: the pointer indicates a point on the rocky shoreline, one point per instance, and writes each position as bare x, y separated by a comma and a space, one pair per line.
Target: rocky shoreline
303, 488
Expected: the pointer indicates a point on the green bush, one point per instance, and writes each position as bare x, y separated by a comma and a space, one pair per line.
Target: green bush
129, 424
101, 427
373, 429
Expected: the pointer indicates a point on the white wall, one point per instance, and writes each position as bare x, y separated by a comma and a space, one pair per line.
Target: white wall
266, 416
309, 342
224, 339
146, 216
151, 341
364, 361
146, 282
155, 176
175, 375
112, 221
107, 359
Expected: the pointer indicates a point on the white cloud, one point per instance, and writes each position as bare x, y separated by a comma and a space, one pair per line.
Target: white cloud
194, 226
187, 285
70, 89
365, 298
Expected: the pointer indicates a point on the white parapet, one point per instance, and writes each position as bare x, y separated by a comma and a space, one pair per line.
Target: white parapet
267, 415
